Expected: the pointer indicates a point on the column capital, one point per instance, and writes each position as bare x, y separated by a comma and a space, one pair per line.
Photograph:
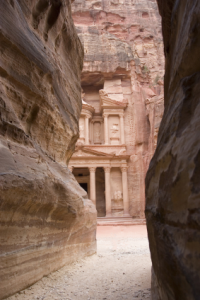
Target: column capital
107, 169
124, 168
121, 115
92, 169
86, 113
105, 115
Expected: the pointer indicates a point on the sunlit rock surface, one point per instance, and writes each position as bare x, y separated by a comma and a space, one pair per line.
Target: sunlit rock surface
122, 41
173, 178
46, 219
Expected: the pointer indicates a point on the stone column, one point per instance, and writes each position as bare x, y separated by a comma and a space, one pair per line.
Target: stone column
92, 132
92, 185
106, 129
125, 191
86, 130
102, 132
122, 128
108, 192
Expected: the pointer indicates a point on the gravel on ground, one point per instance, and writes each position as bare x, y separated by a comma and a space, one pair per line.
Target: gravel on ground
121, 269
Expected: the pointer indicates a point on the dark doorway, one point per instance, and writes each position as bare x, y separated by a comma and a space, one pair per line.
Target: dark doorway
84, 186
100, 193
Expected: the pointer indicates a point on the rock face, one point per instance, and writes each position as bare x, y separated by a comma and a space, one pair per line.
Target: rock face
173, 178
46, 219
124, 56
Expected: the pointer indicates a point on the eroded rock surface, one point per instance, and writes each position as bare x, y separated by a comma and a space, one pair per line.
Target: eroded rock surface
106, 275
173, 178
123, 47
46, 219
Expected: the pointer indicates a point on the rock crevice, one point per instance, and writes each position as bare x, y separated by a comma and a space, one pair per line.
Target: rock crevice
172, 188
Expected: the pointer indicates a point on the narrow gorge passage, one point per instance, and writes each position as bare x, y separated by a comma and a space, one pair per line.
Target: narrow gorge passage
120, 270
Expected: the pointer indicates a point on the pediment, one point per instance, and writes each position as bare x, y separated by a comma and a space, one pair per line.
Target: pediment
86, 152
83, 152
89, 153
86, 106
106, 101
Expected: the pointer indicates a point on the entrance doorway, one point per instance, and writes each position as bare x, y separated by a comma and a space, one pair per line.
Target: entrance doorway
100, 193
82, 175
84, 186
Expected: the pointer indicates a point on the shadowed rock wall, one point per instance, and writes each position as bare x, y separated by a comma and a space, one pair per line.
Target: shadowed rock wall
122, 40
46, 219
173, 178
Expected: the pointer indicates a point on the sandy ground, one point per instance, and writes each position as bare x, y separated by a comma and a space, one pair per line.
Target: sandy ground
120, 270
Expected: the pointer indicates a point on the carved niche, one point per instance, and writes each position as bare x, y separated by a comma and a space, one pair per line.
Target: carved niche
114, 132
117, 203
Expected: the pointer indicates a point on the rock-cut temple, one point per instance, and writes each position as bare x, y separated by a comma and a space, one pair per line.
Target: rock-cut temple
100, 161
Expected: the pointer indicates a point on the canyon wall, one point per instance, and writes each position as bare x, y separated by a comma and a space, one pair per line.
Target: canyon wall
123, 44
46, 219
173, 178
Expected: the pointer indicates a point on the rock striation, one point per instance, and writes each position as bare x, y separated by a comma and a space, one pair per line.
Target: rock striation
173, 178
46, 219
124, 56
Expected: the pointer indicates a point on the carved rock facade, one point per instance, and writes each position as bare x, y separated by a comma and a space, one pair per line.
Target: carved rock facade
46, 219
173, 178
123, 100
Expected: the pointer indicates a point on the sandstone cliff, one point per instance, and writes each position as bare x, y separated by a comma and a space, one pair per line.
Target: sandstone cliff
122, 41
46, 219
173, 178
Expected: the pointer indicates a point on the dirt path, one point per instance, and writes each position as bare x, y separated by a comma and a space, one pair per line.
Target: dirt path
120, 270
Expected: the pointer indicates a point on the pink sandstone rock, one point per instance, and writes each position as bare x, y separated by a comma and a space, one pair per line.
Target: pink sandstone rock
173, 178
46, 219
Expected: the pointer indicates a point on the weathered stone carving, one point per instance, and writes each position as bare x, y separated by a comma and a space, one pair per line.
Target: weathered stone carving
114, 134
46, 219
117, 195
115, 130
173, 178
123, 67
